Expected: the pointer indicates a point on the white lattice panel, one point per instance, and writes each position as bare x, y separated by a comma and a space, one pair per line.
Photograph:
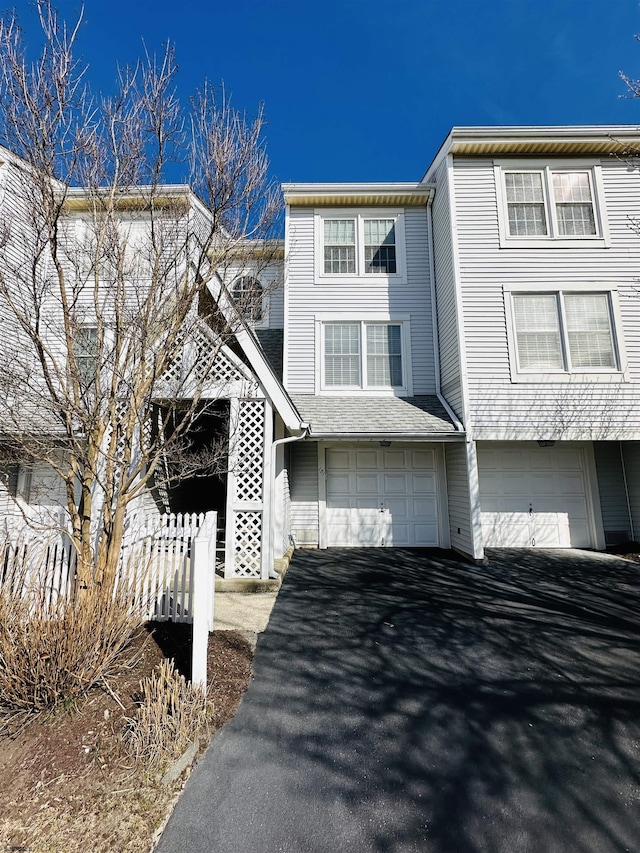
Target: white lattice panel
198, 363
249, 445
248, 530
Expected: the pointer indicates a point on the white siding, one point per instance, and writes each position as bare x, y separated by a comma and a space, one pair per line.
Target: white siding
631, 452
460, 523
450, 379
613, 500
500, 408
359, 300
303, 482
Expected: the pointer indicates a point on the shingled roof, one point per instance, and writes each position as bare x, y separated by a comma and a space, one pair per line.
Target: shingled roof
418, 418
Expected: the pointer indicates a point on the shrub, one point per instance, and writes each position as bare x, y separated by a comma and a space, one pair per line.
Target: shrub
169, 717
53, 650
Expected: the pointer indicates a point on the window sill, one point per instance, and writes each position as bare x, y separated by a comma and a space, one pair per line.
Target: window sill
363, 392
575, 378
353, 278
554, 243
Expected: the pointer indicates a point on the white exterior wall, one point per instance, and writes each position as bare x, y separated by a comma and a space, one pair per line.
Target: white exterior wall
576, 410
462, 490
374, 298
611, 486
631, 452
451, 384
304, 492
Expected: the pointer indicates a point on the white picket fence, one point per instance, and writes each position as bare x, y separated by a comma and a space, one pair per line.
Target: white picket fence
159, 566
167, 567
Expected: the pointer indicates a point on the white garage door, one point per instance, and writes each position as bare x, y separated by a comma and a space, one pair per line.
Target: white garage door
533, 496
381, 496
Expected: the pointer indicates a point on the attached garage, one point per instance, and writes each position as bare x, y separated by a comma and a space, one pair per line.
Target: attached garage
381, 496
532, 496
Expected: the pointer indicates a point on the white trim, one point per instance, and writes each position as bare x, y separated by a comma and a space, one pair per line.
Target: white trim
568, 374
359, 215
600, 240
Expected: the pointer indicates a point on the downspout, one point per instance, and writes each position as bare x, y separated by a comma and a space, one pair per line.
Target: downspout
272, 488
434, 320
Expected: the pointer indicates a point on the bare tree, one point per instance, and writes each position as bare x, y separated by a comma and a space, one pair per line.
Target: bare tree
112, 283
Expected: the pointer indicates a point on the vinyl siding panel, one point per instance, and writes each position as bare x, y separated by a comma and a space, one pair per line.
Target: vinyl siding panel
303, 483
445, 287
631, 451
613, 501
580, 409
307, 299
458, 498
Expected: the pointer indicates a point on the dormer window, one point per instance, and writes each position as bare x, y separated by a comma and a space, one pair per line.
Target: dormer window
247, 294
360, 246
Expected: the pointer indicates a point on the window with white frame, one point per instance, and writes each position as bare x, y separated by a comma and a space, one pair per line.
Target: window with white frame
365, 355
551, 204
247, 293
564, 332
360, 245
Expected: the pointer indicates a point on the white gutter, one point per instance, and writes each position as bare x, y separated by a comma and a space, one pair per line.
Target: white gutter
272, 491
434, 322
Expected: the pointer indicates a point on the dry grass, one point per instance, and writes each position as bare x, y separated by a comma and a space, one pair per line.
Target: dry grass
170, 716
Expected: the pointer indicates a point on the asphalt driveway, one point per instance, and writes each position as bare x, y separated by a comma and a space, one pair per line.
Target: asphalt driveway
405, 701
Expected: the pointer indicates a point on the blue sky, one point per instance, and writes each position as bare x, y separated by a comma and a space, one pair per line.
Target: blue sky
366, 90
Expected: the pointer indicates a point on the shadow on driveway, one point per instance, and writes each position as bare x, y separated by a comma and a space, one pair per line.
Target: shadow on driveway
405, 701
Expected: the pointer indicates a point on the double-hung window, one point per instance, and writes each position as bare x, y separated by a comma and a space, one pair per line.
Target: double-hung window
564, 332
550, 205
360, 245
363, 355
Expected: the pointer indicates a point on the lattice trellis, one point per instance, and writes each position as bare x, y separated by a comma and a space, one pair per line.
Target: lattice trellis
247, 551
193, 365
249, 446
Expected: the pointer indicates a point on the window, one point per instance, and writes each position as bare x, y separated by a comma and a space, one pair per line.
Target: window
363, 355
550, 204
360, 245
247, 293
564, 332
85, 351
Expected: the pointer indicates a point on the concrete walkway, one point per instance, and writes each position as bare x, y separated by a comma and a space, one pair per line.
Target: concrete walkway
408, 702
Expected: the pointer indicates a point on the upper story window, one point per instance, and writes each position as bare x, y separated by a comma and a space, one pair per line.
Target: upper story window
360, 246
565, 332
85, 351
247, 293
363, 355
551, 206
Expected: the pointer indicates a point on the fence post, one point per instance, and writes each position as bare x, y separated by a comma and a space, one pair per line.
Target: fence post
202, 593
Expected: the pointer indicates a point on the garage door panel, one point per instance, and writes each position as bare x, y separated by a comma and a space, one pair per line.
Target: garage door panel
338, 460
384, 496
394, 484
393, 459
511, 529
366, 460
544, 503
512, 483
423, 483
366, 484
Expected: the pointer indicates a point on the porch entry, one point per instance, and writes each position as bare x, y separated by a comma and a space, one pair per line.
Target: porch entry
533, 496
381, 496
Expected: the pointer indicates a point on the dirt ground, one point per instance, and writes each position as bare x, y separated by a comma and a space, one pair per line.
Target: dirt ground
68, 783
